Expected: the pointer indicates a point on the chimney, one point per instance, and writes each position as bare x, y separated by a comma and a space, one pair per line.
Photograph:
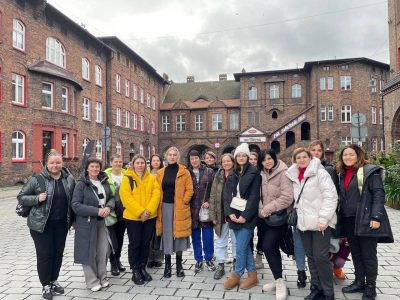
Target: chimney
190, 79
222, 77
165, 76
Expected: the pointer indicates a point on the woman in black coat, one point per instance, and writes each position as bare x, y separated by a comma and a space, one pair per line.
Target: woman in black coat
363, 216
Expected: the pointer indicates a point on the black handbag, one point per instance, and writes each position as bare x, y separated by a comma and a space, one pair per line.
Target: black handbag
277, 218
23, 210
292, 215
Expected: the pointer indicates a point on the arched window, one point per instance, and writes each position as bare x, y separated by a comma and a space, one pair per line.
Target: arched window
141, 150
55, 52
276, 146
18, 146
98, 75
99, 149
290, 139
18, 35
296, 91
85, 69
274, 91
305, 131
274, 115
118, 148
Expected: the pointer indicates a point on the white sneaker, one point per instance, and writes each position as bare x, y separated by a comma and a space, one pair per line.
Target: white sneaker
281, 290
269, 287
96, 288
105, 284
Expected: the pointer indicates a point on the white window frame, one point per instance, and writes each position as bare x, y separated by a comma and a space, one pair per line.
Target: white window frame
18, 35
99, 149
64, 144
85, 69
118, 148
98, 75
127, 119
345, 83
127, 85
165, 123
99, 112
322, 83
274, 91
296, 90
134, 117
346, 140
217, 121
18, 85
85, 142
373, 86
141, 95
253, 93
153, 127
148, 103
18, 138
153, 150
141, 149
380, 116
47, 93
180, 123
330, 113
64, 99
374, 142
198, 122
118, 83
55, 52
373, 115
141, 123
322, 113
135, 92
345, 113
153, 102
118, 116
234, 121
330, 83
85, 109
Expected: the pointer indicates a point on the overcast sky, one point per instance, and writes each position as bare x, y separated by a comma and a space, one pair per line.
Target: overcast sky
205, 38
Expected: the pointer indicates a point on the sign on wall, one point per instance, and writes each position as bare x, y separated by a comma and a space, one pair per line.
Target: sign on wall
288, 126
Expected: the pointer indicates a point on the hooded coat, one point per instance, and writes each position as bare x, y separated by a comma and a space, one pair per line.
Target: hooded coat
216, 201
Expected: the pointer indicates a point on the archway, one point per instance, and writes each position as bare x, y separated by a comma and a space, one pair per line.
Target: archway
396, 126
290, 139
305, 131
276, 146
228, 149
254, 148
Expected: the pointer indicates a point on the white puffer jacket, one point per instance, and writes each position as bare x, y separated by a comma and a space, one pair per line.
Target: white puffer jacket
319, 199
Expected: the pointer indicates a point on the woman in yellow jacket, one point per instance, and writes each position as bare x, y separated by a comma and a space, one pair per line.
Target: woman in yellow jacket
140, 195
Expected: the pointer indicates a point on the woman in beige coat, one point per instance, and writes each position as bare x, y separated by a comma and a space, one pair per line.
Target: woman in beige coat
276, 196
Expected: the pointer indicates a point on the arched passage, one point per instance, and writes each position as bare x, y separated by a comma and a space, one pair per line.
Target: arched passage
290, 139
396, 126
305, 131
276, 146
228, 149
254, 148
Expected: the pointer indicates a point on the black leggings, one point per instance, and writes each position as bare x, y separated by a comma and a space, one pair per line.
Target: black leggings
272, 237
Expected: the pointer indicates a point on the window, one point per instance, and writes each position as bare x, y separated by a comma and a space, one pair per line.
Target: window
64, 144
153, 127
99, 149
47, 95
346, 113
148, 100
253, 93
296, 91
118, 148
85, 109
134, 121
18, 89
118, 117
141, 149
180, 123
148, 129
85, 69
330, 83
84, 144
18, 35
372, 85
18, 146
373, 115
330, 112
134, 92
99, 112
374, 143
274, 92
382, 145
198, 122
325, 68
64, 99
344, 67
380, 116
127, 85
98, 75
118, 83
141, 95
346, 141
153, 150
253, 118
141, 123
216, 121
153, 102
322, 84
165, 123
55, 52
127, 119
323, 113
234, 121
345, 83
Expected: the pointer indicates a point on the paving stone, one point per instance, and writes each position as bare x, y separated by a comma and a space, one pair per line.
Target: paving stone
187, 293
211, 294
164, 291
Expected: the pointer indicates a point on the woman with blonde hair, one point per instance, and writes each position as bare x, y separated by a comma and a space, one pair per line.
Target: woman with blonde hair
174, 222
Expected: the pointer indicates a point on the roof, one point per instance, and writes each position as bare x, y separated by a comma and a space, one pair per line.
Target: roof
209, 90
391, 85
309, 64
48, 68
126, 49
230, 103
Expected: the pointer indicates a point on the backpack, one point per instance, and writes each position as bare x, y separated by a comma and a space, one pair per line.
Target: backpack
119, 207
23, 210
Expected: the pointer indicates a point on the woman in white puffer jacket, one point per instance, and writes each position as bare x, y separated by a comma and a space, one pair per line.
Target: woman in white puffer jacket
316, 210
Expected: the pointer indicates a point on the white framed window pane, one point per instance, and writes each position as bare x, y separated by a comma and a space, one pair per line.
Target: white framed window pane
330, 113
86, 109
199, 122
274, 92
99, 149
127, 119
216, 121
98, 75
346, 141
345, 83
323, 113
64, 99
18, 35
64, 144
55, 52
141, 95
165, 123
118, 148
234, 121
322, 84
330, 83
99, 112
118, 83
153, 102
47, 95
346, 114
134, 92
296, 91
18, 89
18, 145
380, 116
373, 115
85, 68
134, 121
180, 123
127, 84
253, 93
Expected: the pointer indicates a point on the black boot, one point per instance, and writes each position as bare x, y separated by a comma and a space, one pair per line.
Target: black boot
370, 291
121, 267
114, 267
167, 270
301, 279
356, 286
315, 294
137, 277
179, 267
146, 276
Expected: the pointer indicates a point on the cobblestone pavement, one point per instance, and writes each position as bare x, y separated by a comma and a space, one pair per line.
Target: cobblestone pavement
19, 280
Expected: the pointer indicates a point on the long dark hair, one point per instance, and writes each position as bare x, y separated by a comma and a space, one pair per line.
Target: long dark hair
361, 158
262, 156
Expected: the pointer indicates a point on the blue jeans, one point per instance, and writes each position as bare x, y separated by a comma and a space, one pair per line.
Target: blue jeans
221, 244
299, 253
207, 235
244, 256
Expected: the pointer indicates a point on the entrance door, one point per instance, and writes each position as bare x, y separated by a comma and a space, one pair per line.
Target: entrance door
47, 137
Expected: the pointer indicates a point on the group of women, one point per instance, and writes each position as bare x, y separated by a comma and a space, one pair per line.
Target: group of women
163, 208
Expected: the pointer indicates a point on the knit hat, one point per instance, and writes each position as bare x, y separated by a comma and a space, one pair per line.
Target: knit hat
211, 154
242, 148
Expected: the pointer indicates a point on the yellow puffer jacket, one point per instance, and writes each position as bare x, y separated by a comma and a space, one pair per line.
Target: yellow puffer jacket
144, 196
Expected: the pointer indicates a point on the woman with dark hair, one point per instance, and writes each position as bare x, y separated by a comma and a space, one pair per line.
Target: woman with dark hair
140, 194
156, 256
92, 202
276, 197
364, 218
241, 197
49, 195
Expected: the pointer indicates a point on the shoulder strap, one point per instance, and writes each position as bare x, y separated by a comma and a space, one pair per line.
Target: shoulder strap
132, 182
360, 179
301, 191
41, 183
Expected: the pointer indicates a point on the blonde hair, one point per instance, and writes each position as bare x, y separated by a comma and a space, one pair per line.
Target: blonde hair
52, 152
318, 143
178, 154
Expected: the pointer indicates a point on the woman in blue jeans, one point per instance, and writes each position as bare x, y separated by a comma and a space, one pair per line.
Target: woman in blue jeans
243, 183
